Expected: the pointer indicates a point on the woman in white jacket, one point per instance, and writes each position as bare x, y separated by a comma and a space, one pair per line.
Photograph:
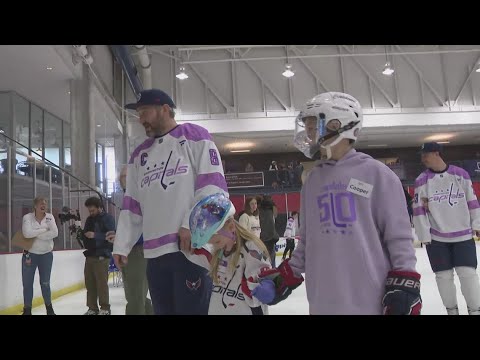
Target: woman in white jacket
39, 225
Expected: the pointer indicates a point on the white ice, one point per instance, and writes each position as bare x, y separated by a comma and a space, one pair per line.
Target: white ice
296, 304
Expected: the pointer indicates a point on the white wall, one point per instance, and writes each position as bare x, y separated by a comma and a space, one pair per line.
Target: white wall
67, 270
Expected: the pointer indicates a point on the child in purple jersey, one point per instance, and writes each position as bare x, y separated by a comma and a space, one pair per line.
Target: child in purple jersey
355, 247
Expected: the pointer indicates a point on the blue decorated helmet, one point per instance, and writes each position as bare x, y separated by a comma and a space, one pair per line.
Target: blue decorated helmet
208, 216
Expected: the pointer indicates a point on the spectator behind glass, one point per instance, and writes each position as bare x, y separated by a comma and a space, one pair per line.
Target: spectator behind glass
249, 168
273, 166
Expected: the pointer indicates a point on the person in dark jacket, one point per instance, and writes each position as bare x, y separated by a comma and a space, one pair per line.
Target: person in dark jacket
409, 201
98, 254
268, 234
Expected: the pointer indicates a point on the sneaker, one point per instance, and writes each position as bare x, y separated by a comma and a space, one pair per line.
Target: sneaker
50, 310
91, 312
27, 311
104, 312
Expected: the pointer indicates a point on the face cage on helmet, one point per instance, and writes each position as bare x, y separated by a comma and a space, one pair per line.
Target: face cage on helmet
311, 146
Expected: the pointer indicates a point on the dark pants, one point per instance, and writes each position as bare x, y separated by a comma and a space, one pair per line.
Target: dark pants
96, 282
270, 245
446, 256
30, 262
135, 283
178, 286
289, 247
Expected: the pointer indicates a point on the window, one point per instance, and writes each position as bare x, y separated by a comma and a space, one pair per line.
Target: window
53, 138
36, 131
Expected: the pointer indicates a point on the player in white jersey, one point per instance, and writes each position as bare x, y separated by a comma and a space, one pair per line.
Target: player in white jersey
167, 175
444, 214
236, 260
289, 234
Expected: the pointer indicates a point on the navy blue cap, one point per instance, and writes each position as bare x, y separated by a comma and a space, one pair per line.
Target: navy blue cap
431, 147
152, 97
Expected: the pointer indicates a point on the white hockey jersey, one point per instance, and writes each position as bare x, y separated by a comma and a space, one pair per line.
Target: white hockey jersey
290, 229
445, 207
166, 177
251, 223
229, 297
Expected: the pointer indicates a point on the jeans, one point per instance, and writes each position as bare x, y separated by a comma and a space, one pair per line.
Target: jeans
30, 262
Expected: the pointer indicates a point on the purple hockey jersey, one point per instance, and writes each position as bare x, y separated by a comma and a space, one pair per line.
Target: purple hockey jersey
354, 229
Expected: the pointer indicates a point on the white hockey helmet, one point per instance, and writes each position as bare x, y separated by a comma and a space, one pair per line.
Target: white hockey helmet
325, 116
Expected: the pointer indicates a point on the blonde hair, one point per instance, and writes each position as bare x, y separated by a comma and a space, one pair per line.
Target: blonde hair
38, 200
243, 235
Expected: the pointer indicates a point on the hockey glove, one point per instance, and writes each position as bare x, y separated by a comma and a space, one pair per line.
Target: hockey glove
265, 291
284, 279
402, 294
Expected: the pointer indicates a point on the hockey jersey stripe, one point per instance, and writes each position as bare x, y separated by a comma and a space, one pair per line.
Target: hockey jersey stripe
422, 180
131, 205
454, 170
472, 205
144, 146
163, 240
216, 179
191, 132
418, 211
451, 234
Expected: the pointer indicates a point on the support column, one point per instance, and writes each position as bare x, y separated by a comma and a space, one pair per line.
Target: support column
83, 125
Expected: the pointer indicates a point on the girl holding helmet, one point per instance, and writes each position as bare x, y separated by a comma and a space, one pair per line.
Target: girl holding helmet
356, 248
234, 256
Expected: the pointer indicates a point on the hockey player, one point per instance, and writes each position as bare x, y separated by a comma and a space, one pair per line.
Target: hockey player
167, 175
355, 248
234, 262
290, 235
445, 212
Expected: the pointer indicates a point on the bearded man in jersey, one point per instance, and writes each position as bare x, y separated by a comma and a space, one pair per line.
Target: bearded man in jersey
177, 166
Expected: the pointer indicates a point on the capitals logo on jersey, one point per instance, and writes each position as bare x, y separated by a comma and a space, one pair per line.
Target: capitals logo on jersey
165, 172
450, 194
193, 285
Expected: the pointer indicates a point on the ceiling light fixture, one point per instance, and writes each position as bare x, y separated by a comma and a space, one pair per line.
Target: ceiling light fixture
439, 137
182, 75
240, 151
239, 145
49, 68
288, 73
387, 69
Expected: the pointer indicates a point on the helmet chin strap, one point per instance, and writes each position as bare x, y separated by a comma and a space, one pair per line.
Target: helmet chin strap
329, 146
337, 140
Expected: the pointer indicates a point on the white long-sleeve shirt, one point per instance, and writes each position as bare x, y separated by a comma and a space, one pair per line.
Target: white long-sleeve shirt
453, 209
229, 297
166, 177
44, 232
